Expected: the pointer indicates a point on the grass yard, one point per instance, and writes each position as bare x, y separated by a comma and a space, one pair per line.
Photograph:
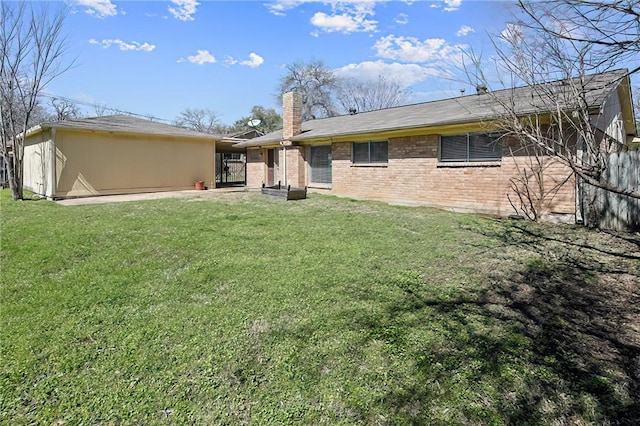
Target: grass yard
244, 310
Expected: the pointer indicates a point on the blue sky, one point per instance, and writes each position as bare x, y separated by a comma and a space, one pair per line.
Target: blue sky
159, 57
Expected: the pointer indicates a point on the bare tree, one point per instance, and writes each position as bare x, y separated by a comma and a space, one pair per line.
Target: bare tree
606, 31
565, 53
316, 83
32, 43
201, 120
100, 109
365, 95
64, 109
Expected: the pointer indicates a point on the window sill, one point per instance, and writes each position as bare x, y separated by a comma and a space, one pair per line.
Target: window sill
319, 185
469, 163
369, 164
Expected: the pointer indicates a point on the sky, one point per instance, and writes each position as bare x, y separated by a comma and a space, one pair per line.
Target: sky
157, 58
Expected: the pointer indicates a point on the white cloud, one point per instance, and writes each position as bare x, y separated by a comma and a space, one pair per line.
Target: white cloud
254, 61
402, 19
281, 7
452, 5
410, 49
134, 45
346, 18
406, 74
512, 33
464, 30
98, 8
184, 10
203, 57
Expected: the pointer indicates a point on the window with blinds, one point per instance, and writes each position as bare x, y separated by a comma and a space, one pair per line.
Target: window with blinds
320, 164
471, 147
370, 152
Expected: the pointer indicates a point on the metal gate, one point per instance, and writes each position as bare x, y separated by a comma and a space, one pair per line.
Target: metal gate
230, 169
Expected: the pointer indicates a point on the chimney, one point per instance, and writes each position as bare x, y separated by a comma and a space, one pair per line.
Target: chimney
481, 90
291, 114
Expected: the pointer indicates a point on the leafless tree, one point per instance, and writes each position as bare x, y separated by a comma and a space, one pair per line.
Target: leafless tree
100, 109
316, 83
607, 32
32, 43
64, 109
556, 50
201, 120
356, 95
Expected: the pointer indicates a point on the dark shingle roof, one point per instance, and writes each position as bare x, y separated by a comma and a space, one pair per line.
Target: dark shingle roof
127, 124
464, 109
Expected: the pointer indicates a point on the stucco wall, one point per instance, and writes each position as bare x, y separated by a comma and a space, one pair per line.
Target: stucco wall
101, 164
414, 175
38, 170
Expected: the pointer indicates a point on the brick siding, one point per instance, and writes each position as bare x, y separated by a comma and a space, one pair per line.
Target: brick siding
414, 175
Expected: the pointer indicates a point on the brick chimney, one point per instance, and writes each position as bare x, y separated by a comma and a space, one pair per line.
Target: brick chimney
291, 114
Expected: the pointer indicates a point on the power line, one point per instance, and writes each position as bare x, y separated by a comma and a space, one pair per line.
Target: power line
105, 108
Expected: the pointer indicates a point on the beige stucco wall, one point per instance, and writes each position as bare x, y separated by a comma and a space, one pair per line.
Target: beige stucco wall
93, 163
38, 171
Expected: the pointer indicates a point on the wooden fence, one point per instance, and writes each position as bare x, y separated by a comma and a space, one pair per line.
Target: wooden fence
611, 211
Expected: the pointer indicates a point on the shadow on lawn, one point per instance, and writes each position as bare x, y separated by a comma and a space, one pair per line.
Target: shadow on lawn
577, 297
568, 309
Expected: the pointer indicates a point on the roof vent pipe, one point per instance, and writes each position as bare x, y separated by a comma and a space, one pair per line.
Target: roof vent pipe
353, 111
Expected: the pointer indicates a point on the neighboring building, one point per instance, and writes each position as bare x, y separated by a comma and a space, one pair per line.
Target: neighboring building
444, 154
118, 154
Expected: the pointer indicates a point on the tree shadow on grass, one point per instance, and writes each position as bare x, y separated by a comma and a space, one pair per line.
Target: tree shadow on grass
554, 338
576, 295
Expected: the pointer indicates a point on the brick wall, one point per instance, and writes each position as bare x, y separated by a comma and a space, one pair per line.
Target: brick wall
256, 167
296, 166
413, 175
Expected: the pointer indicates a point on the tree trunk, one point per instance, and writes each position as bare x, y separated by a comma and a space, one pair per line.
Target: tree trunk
14, 173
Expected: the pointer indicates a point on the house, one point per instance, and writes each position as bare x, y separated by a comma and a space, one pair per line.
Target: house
447, 154
118, 154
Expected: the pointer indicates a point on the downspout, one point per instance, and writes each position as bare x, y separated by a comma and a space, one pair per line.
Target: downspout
284, 167
215, 172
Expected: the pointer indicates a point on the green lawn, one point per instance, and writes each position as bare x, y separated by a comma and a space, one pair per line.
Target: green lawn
244, 310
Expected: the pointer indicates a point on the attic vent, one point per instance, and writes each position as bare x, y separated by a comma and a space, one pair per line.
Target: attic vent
481, 90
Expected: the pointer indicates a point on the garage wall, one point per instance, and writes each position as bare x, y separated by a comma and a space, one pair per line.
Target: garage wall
38, 170
102, 164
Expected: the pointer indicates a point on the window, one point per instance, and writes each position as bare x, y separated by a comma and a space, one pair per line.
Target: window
370, 152
320, 164
471, 147
255, 154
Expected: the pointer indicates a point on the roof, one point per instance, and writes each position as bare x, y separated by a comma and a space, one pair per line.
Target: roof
123, 124
463, 109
